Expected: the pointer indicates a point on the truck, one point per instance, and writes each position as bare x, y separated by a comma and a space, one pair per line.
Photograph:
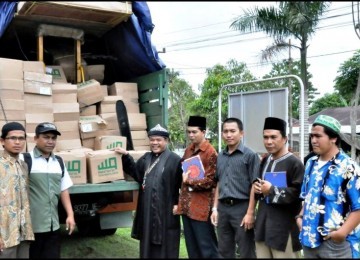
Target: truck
116, 34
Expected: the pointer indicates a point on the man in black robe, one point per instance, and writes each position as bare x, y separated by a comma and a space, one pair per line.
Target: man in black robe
276, 232
159, 174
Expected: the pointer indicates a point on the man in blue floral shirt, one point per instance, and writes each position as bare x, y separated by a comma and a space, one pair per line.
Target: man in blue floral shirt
330, 217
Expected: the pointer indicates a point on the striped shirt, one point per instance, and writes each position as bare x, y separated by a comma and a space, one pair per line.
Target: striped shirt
236, 172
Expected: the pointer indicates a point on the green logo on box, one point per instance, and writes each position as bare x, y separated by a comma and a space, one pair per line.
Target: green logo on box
73, 167
108, 166
114, 144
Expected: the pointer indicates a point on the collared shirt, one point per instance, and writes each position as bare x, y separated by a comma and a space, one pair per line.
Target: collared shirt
46, 185
196, 198
15, 220
326, 190
236, 172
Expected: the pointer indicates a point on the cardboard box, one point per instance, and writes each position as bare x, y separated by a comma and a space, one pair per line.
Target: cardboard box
45, 108
75, 163
104, 166
11, 69
137, 121
57, 73
111, 99
90, 124
88, 143
12, 94
33, 119
109, 142
34, 66
68, 129
68, 144
127, 90
66, 111
89, 93
140, 134
30, 142
31, 98
137, 154
36, 87
111, 121
88, 111
35, 76
110, 107
14, 84
12, 109
105, 90
142, 148
115, 132
65, 98
141, 142
64, 88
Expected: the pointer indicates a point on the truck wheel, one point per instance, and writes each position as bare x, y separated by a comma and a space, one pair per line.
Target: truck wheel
91, 227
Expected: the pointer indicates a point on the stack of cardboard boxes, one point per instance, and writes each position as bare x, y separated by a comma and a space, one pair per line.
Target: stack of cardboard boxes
12, 104
85, 115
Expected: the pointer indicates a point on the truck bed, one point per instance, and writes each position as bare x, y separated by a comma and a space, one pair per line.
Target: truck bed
119, 185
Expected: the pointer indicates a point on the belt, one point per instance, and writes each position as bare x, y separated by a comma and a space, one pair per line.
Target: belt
230, 201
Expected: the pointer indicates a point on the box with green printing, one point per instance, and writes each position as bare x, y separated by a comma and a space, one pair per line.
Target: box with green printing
104, 166
75, 163
109, 142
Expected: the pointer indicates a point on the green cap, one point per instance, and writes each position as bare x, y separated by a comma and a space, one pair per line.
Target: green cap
329, 122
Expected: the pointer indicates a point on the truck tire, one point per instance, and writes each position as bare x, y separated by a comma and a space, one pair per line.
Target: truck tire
91, 227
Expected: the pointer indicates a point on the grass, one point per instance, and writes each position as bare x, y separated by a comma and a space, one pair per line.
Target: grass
119, 245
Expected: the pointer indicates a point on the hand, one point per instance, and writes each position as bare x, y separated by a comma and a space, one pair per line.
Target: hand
70, 224
336, 236
248, 222
214, 218
175, 209
257, 187
185, 176
120, 150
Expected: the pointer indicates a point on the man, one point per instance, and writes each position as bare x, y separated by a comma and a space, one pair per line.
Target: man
48, 182
330, 217
276, 232
15, 221
159, 174
197, 195
233, 212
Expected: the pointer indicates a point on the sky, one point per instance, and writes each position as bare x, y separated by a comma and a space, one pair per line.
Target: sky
197, 35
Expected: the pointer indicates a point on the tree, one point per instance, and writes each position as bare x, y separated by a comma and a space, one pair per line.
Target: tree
292, 19
282, 69
348, 85
181, 95
218, 76
346, 81
328, 100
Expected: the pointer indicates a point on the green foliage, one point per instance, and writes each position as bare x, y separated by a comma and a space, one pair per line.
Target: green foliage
218, 76
327, 101
181, 96
346, 82
296, 19
282, 69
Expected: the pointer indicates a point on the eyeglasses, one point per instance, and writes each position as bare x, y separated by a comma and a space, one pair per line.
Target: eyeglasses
16, 138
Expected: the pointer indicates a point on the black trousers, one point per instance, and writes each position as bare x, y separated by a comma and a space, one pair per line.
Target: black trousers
231, 234
200, 238
46, 245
